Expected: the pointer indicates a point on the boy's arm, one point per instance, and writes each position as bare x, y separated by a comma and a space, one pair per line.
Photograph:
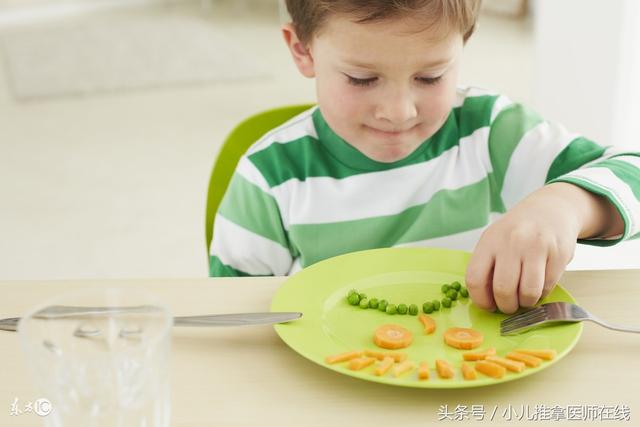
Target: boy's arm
592, 195
249, 238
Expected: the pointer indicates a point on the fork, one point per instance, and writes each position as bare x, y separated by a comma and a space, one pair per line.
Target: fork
551, 313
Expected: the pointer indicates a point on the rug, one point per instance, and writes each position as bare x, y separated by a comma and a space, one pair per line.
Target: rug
124, 54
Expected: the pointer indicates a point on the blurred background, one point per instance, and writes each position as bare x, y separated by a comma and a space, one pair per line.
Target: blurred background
112, 113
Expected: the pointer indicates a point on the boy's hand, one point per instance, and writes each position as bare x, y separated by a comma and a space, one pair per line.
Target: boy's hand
520, 257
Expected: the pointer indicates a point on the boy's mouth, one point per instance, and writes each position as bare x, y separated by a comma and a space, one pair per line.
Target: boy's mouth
392, 132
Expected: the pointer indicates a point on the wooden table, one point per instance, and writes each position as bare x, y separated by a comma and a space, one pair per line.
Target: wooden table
247, 376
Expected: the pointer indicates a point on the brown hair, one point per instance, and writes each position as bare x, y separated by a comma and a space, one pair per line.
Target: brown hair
308, 16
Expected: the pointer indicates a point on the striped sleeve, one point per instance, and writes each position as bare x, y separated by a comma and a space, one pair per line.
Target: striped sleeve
615, 176
249, 238
528, 152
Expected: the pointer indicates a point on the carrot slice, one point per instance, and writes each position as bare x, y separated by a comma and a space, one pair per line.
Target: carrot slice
512, 365
444, 369
490, 369
343, 357
403, 368
546, 354
479, 355
468, 373
463, 338
360, 363
528, 359
380, 355
428, 323
423, 371
392, 337
383, 366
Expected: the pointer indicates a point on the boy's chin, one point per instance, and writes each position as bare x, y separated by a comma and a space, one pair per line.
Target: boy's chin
390, 154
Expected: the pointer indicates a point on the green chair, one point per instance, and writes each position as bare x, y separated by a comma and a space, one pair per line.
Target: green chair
236, 144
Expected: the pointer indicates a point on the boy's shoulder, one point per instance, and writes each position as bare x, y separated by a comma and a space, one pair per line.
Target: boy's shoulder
473, 103
281, 153
296, 128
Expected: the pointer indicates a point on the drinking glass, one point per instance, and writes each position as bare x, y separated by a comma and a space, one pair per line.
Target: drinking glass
101, 357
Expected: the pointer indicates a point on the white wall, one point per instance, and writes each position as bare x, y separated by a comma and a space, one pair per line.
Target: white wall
587, 63
626, 121
586, 77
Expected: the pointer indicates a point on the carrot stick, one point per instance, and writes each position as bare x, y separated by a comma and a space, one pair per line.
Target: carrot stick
383, 366
403, 368
479, 355
444, 369
468, 373
529, 360
343, 357
546, 354
490, 369
428, 323
380, 355
512, 365
360, 363
423, 371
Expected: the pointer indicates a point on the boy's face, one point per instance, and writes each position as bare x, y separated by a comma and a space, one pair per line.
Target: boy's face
384, 87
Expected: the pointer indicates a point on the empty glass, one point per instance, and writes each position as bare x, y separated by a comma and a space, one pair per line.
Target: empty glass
101, 357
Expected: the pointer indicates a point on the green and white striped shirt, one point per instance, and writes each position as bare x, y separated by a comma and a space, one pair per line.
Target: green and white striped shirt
301, 194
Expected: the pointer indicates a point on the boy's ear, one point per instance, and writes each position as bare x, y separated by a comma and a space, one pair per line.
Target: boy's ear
301, 55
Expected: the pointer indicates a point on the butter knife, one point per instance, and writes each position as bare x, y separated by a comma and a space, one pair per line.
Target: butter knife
232, 319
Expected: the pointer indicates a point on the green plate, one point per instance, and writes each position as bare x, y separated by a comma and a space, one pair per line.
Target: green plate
401, 275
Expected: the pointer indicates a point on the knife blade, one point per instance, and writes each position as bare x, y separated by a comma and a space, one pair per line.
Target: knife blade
231, 319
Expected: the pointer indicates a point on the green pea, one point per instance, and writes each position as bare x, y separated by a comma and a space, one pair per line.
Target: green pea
464, 292
402, 309
362, 296
427, 307
373, 303
413, 310
351, 292
446, 302
453, 295
445, 288
364, 303
354, 299
436, 305
382, 305
456, 286
391, 309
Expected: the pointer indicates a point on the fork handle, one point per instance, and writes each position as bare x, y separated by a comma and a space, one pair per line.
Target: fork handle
615, 327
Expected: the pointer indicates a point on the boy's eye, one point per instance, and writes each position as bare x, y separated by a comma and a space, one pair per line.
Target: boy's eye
361, 82
369, 81
429, 80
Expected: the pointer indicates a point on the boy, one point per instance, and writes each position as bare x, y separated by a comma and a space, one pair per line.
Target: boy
396, 154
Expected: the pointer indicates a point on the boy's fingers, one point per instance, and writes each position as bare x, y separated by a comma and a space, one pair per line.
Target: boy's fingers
478, 279
532, 280
506, 276
555, 268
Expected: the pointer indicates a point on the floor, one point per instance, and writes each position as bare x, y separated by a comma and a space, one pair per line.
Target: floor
113, 185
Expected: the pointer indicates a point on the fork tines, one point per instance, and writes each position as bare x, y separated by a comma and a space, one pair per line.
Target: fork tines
524, 320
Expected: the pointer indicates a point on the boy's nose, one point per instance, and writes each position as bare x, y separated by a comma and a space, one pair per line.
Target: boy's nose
397, 110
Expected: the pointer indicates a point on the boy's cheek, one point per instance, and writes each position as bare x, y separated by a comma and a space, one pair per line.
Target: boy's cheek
340, 105
337, 92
